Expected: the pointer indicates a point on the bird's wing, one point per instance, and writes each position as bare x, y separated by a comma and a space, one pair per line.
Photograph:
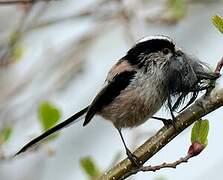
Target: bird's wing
119, 82
121, 66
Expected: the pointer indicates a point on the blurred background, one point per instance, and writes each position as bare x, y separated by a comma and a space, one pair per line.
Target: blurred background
54, 56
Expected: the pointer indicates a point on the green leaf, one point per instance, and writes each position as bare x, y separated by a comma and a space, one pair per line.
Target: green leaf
89, 167
218, 22
5, 134
200, 132
49, 115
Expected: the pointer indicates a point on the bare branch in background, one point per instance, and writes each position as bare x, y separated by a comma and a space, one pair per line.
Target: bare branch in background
8, 47
66, 64
74, 54
98, 11
8, 2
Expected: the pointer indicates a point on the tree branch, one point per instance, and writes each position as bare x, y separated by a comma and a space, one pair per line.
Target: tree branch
8, 2
158, 167
167, 165
204, 105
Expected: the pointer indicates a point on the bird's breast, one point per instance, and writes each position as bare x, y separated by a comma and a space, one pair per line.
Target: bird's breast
135, 104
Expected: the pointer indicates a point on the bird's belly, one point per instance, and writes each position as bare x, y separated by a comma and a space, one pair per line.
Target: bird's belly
129, 109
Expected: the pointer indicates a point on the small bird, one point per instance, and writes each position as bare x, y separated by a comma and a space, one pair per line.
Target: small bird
153, 72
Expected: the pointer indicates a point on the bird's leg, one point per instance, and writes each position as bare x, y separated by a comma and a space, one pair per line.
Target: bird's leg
167, 121
171, 112
134, 160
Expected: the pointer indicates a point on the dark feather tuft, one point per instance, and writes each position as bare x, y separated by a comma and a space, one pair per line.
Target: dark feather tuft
188, 76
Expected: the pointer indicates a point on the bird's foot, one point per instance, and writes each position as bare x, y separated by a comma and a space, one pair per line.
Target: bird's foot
166, 122
134, 160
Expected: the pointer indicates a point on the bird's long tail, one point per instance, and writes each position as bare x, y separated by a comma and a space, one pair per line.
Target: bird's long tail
53, 130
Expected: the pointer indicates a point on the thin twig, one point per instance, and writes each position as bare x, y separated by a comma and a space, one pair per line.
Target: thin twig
8, 48
94, 10
9, 2
66, 66
219, 67
161, 166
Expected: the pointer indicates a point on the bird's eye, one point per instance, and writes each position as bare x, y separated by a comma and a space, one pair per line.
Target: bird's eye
166, 51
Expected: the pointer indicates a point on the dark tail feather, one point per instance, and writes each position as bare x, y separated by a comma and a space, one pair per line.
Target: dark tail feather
52, 130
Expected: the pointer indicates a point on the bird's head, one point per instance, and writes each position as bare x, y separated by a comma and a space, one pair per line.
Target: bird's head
184, 74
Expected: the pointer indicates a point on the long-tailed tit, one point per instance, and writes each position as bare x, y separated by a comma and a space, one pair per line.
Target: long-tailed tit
153, 72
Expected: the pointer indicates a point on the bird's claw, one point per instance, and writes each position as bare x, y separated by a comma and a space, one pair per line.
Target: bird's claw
134, 160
